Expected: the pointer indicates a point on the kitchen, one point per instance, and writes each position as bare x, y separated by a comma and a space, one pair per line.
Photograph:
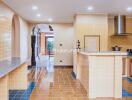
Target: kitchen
116, 44
101, 59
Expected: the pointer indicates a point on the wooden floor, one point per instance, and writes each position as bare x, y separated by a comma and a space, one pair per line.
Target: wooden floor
59, 85
127, 85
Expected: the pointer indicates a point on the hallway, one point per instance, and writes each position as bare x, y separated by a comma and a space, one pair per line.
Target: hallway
59, 85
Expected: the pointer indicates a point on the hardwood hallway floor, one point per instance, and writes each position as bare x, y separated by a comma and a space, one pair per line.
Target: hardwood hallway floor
59, 85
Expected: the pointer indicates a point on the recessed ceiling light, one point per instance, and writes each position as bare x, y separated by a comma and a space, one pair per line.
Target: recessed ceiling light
34, 7
50, 19
129, 9
38, 15
90, 8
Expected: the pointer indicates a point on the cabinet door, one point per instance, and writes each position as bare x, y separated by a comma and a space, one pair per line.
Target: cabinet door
130, 68
124, 67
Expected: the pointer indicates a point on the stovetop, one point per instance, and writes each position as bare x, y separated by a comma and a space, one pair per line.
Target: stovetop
129, 52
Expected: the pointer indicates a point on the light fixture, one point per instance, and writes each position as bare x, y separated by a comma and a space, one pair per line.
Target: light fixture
90, 8
34, 7
50, 19
38, 15
129, 9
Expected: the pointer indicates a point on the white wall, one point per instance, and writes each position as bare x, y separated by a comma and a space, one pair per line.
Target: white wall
64, 35
92, 24
24, 41
6, 30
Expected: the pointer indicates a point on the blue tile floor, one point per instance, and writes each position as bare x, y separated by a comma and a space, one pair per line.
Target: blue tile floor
24, 94
126, 94
21, 94
128, 83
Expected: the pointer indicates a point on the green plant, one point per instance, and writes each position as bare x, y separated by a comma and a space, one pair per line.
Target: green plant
50, 46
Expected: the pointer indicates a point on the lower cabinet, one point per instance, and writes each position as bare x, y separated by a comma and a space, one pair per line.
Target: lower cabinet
130, 68
127, 67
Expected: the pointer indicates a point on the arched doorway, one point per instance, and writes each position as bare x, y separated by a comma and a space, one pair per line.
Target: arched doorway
46, 39
15, 36
43, 42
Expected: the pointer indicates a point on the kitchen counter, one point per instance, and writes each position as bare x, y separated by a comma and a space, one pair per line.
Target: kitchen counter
13, 76
104, 53
100, 73
9, 65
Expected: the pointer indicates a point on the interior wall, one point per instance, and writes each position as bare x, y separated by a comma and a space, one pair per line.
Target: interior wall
64, 35
92, 24
24, 38
123, 41
5, 39
5, 31
42, 43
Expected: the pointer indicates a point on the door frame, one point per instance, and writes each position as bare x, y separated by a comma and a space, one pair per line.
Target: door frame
46, 37
91, 36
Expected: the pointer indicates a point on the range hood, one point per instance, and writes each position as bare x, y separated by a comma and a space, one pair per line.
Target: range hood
120, 25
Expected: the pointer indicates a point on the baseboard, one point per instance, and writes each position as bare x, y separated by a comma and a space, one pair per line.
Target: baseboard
124, 76
130, 77
63, 66
106, 98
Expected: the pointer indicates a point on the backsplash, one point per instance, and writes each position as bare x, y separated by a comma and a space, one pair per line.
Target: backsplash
5, 39
125, 42
122, 41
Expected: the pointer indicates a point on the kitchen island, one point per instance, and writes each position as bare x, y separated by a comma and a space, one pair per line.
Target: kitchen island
13, 76
100, 73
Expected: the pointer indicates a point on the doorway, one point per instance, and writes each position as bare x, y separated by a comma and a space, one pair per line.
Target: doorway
46, 41
49, 45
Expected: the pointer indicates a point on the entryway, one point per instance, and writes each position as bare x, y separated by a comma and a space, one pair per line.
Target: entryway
46, 46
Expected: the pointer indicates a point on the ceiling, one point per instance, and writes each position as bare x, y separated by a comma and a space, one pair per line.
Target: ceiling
63, 11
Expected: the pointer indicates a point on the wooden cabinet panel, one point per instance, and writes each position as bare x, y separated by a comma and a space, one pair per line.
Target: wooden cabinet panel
127, 67
124, 67
18, 78
4, 88
130, 68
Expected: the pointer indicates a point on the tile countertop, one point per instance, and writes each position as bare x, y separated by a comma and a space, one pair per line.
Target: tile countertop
8, 65
103, 53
